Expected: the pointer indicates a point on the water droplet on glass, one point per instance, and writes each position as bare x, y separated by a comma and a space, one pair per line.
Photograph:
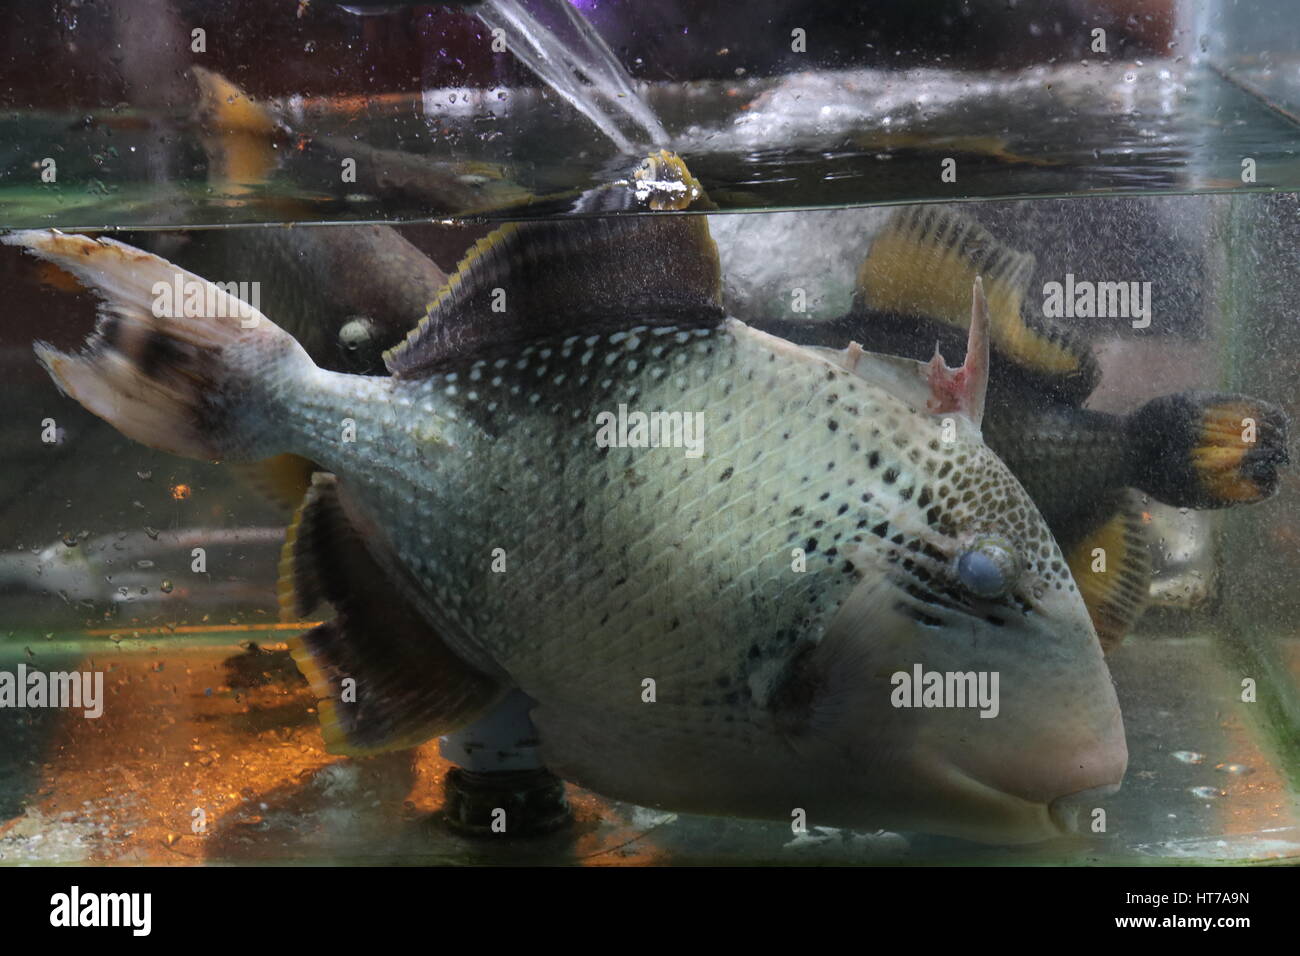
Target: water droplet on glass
166, 587
1188, 756
70, 540
1206, 793
144, 475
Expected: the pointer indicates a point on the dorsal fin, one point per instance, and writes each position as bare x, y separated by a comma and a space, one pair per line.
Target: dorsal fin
962, 389
904, 378
659, 182
922, 265
382, 675
932, 386
531, 279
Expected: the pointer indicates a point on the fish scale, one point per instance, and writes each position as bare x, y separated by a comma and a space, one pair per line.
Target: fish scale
566, 565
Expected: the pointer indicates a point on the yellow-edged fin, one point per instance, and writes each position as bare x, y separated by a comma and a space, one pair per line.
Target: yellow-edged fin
383, 678
923, 264
1208, 449
1228, 460
532, 279
239, 135
284, 479
1112, 568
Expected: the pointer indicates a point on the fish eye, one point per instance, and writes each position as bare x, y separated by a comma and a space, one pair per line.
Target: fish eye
357, 342
356, 333
989, 568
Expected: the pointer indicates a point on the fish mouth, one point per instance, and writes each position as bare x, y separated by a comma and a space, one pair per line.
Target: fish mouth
1070, 813
992, 815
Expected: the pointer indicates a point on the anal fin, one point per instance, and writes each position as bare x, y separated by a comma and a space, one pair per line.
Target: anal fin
383, 676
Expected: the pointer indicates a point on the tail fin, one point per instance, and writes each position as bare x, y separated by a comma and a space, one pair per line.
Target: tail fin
239, 133
175, 362
1207, 449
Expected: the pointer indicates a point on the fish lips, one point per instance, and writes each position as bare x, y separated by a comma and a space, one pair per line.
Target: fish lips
983, 813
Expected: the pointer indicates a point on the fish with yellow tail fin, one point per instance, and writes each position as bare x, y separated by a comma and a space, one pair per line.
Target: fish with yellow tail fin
246, 140
1197, 449
345, 293
734, 632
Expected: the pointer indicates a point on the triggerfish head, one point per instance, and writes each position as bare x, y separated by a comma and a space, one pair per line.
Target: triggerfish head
737, 576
